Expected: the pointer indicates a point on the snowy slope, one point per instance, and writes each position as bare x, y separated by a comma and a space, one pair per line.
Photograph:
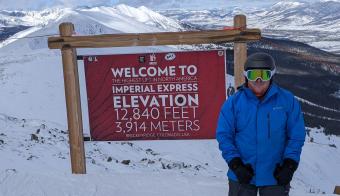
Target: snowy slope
35, 155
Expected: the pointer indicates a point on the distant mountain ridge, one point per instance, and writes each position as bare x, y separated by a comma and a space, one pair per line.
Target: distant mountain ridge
317, 24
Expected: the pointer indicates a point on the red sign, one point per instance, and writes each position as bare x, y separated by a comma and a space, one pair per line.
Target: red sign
155, 96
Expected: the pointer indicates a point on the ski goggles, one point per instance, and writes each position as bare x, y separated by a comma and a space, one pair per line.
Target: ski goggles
263, 74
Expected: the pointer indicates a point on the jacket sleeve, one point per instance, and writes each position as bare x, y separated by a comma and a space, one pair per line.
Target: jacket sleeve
296, 132
225, 132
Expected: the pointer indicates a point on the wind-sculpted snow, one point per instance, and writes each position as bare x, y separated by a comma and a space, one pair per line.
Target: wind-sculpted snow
35, 159
39, 142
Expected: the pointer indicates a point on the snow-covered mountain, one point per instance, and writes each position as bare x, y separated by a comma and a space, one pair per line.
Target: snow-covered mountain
317, 24
28, 18
19, 55
116, 19
33, 131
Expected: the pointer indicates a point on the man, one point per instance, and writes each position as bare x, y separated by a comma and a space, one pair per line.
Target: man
260, 132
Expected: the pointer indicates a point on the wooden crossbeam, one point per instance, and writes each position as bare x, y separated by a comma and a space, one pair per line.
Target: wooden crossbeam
152, 39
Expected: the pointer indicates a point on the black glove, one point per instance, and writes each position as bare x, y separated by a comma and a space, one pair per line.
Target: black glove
284, 173
244, 173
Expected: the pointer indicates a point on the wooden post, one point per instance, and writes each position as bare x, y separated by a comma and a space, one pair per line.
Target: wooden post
72, 94
337, 190
240, 52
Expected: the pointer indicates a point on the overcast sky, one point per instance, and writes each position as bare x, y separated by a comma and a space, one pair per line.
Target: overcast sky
41, 4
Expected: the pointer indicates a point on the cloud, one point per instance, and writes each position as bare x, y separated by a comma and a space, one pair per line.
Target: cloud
75, 3
42, 4
22, 4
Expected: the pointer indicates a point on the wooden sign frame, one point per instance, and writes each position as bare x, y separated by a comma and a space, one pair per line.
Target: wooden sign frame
68, 44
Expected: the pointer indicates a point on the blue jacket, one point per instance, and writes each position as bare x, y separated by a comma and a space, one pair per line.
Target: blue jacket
261, 133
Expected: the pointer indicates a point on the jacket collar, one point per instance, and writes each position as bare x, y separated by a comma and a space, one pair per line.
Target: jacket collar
273, 89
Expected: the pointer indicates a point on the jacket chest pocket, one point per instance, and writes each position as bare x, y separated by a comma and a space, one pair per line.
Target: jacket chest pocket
242, 121
276, 122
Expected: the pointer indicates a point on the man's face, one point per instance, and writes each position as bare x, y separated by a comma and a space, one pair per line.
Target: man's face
258, 87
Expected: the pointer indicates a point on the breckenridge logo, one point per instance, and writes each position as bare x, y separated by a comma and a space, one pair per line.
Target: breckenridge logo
170, 56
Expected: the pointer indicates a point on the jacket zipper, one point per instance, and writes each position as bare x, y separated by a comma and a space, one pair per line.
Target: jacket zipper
257, 109
268, 120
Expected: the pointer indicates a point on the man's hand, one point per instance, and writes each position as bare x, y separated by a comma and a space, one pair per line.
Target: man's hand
284, 174
244, 173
